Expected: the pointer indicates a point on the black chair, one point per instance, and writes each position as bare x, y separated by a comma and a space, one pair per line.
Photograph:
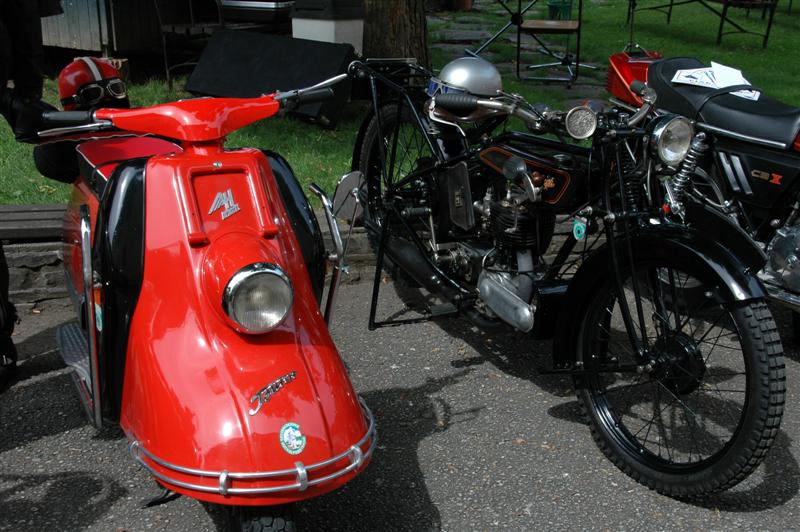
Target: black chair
767, 8
188, 24
566, 24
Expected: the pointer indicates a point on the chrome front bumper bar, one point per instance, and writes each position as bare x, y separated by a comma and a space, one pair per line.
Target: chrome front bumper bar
297, 478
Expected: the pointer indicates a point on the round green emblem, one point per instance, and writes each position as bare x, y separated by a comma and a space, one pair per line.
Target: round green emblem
292, 440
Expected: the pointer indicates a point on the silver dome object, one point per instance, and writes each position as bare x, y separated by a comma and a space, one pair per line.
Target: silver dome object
472, 74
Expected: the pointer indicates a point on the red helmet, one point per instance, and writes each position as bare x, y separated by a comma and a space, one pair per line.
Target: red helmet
90, 82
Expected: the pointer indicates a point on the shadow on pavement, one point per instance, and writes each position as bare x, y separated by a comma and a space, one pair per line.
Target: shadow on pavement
778, 476
404, 417
50, 406
37, 502
510, 351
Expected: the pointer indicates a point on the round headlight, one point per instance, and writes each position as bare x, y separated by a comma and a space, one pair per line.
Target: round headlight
258, 297
672, 137
580, 122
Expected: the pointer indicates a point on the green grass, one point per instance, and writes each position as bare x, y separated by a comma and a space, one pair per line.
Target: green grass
322, 155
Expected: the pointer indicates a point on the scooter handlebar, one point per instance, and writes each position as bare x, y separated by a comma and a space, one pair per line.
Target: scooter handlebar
52, 119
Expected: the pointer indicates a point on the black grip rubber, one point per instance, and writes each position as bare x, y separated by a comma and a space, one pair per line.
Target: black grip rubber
52, 119
317, 95
638, 87
460, 104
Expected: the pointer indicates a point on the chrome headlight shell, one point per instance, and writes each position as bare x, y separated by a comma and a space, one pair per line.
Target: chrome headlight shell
258, 297
671, 138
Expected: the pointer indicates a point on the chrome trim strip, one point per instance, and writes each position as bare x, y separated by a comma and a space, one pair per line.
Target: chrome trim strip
88, 286
300, 472
740, 136
57, 131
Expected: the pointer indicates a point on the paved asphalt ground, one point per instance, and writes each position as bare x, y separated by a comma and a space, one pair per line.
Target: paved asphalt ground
471, 438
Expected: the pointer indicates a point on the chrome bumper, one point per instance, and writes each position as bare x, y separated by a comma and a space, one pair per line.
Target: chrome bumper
297, 478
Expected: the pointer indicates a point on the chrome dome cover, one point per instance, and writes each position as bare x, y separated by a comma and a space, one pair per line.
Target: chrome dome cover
473, 75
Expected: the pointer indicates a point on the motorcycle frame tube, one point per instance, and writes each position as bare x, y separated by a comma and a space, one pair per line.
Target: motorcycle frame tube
191, 379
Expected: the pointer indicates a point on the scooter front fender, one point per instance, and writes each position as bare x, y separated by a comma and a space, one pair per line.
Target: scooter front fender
213, 413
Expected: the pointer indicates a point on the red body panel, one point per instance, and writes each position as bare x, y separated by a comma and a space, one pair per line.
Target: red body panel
189, 376
191, 379
623, 69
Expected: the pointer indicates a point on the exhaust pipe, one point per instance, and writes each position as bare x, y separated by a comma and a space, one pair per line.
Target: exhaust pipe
411, 260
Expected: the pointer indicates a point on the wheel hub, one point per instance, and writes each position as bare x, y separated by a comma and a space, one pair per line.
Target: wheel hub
679, 364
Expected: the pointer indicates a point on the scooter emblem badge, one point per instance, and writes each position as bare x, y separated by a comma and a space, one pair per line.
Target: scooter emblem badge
292, 440
263, 395
225, 199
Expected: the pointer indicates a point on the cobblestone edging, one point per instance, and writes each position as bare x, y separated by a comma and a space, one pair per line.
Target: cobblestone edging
37, 273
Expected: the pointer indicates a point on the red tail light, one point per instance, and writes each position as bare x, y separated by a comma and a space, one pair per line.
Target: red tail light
797, 143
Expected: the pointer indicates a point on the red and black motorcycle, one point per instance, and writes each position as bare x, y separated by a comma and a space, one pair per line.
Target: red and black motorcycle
197, 272
743, 159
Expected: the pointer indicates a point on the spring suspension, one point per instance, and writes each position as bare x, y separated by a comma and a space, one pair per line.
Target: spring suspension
681, 180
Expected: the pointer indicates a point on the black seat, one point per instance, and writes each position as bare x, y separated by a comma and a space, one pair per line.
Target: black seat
765, 118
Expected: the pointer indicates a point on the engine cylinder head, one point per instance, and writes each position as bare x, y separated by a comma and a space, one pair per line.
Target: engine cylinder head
522, 226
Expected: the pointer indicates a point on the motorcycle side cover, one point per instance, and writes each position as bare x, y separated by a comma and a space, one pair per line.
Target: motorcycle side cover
193, 384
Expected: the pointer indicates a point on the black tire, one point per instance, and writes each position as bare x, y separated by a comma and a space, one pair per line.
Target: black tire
412, 151
703, 416
263, 519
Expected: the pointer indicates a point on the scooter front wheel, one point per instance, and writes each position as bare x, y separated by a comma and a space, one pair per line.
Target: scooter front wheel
263, 519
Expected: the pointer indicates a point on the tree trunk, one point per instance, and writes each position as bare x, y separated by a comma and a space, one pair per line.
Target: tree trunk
396, 28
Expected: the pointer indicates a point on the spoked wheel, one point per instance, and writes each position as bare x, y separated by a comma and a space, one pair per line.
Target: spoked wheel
695, 410
263, 519
395, 134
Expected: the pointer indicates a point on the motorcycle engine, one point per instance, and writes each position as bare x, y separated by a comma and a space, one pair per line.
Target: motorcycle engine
521, 231
784, 257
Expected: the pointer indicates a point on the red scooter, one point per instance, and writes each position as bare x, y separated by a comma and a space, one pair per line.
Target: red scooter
198, 273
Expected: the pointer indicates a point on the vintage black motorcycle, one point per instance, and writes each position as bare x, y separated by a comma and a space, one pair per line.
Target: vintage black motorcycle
744, 161
685, 399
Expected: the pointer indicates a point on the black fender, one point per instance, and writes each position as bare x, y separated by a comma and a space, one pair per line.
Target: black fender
304, 221
119, 258
700, 252
726, 232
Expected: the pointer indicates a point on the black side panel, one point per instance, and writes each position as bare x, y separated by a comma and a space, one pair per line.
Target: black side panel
119, 251
304, 222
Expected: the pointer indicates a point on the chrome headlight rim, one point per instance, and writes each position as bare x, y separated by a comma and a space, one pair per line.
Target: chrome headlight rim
239, 279
664, 125
570, 121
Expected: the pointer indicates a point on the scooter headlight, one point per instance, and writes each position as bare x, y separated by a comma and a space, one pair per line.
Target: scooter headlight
258, 297
671, 139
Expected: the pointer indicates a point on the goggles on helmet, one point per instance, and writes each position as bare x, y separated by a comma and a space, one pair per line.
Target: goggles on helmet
93, 93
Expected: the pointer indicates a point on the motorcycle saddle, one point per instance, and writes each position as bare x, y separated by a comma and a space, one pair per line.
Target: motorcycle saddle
764, 119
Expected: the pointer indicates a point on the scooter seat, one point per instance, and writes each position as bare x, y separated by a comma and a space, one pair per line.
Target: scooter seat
764, 119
